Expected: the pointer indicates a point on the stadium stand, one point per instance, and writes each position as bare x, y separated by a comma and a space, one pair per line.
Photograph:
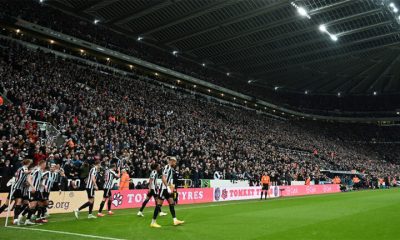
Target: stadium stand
102, 115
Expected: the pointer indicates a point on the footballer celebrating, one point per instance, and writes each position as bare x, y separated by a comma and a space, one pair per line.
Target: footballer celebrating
152, 193
35, 183
91, 186
109, 177
165, 193
49, 177
18, 188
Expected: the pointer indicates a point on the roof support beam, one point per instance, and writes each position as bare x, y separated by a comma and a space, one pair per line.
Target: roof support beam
229, 21
333, 46
190, 15
328, 58
141, 12
90, 8
268, 26
388, 68
263, 53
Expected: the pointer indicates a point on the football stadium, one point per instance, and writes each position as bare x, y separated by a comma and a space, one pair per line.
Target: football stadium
199, 119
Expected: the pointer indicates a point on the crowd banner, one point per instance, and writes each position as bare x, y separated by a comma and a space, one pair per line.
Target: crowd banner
241, 193
228, 183
135, 198
64, 202
290, 191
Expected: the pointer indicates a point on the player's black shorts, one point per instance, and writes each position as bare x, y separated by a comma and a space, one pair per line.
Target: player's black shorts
34, 196
25, 194
265, 186
165, 194
90, 192
16, 194
107, 193
152, 193
45, 196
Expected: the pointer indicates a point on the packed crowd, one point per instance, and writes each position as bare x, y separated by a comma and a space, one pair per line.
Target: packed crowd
40, 13
110, 117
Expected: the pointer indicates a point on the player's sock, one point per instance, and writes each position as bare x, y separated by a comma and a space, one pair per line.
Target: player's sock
23, 207
31, 212
39, 212
85, 205
26, 210
144, 204
91, 208
44, 210
156, 211
109, 205
101, 206
17, 211
2, 208
261, 195
172, 210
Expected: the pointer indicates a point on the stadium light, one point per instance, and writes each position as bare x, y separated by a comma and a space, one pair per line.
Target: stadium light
398, 113
276, 88
392, 5
395, 10
228, 74
140, 38
322, 28
306, 92
194, 86
203, 64
41, 1
339, 94
301, 10
96, 21
108, 59
178, 81
175, 53
222, 94
209, 90
51, 41
234, 98
250, 81
130, 66
375, 93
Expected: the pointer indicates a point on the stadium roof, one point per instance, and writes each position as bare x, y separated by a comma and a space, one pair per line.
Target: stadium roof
275, 43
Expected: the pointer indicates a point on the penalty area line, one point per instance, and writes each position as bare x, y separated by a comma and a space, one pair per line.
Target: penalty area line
66, 233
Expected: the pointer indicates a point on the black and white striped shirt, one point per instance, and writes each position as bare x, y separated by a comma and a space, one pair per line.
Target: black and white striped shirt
36, 178
168, 173
20, 178
90, 184
48, 180
153, 180
109, 177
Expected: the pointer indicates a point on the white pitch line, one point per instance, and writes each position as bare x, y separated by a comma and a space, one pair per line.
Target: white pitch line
217, 204
66, 233
183, 208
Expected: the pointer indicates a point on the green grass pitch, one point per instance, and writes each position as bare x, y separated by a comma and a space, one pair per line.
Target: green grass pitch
356, 215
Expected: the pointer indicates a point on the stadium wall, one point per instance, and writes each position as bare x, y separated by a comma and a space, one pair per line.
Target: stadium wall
65, 202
